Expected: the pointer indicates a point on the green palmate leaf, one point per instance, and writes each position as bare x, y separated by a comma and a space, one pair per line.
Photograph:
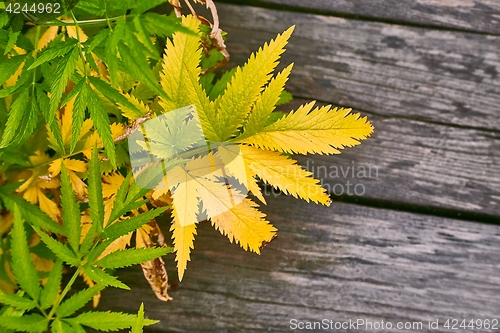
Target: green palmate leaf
139, 322
13, 36
180, 76
9, 66
144, 36
129, 257
71, 210
27, 323
108, 321
114, 95
265, 104
98, 39
31, 212
59, 249
78, 112
18, 110
137, 47
55, 51
19, 302
139, 69
51, 288
246, 85
88, 241
22, 266
77, 301
101, 123
104, 278
121, 228
63, 73
96, 204
111, 49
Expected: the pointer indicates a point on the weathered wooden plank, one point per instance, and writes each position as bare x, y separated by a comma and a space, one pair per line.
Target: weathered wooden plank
338, 263
422, 74
471, 15
417, 163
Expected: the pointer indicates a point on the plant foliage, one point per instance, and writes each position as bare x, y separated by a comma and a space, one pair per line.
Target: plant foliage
74, 87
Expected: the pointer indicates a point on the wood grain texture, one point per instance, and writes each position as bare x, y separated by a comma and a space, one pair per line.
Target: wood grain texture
416, 163
471, 15
422, 74
342, 262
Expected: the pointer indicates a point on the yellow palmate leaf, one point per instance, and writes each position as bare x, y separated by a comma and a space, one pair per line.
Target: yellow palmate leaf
76, 33
283, 173
47, 36
48, 206
72, 167
246, 225
111, 183
321, 131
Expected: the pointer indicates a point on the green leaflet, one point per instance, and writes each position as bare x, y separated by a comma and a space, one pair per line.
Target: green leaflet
113, 95
96, 204
63, 73
121, 228
16, 114
139, 69
164, 26
19, 302
106, 321
77, 301
129, 257
104, 278
27, 323
71, 210
78, 112
59, 326
31, 212
139, 322
101, 122
9, 66
51, 288
22, 266
53, 52
59, 249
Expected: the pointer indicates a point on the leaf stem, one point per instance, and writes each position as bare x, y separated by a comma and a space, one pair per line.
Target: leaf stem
64, 292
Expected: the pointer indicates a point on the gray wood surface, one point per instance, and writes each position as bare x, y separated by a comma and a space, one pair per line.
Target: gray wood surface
338, 263
417, 163
436, 141
472, 15
439, 76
